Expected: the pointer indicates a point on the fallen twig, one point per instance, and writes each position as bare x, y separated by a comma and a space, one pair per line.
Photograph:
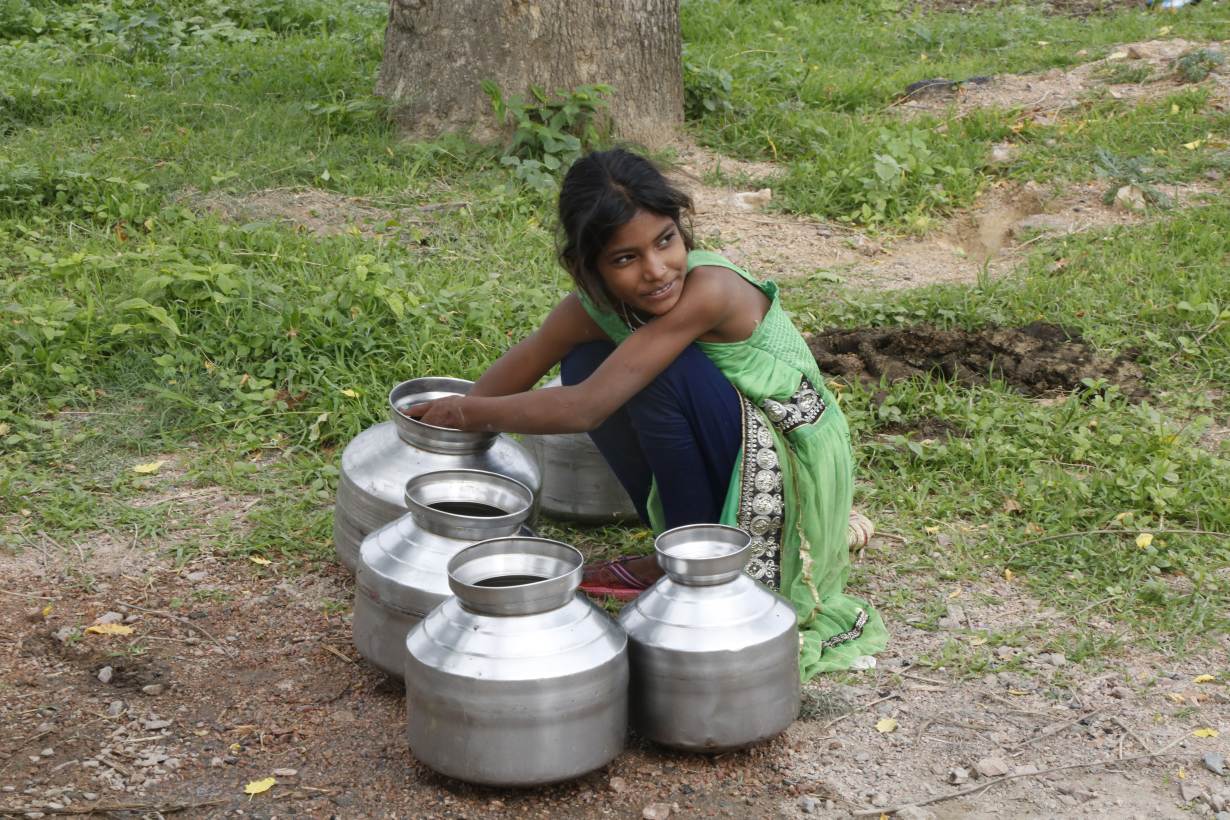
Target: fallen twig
926, 801
26, 595
1132, 734
107, 808
863, 708
1056, 730
162, 613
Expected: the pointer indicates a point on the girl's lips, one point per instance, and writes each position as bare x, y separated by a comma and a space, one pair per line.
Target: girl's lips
660, 293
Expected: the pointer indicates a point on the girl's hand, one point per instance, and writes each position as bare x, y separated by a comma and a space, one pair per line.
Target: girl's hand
445, 412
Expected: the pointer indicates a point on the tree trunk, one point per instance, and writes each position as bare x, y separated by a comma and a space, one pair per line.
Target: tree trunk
438, 52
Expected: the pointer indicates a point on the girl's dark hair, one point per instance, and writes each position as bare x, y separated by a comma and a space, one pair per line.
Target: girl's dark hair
602, 191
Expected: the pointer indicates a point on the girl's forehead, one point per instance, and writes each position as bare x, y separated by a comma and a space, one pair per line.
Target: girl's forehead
644, 227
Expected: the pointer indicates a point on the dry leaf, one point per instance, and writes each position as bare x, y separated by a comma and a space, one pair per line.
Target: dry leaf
1017, 692
1011, 505
1205, 732
886, 725
931, 530
256, 559
149, 468
1203, 679
956, 593
1174, 108
353, 394
109, 629
260, 786
1182, 773
1144, 540
1193, 145
47, 610
1175, 697
1009, 575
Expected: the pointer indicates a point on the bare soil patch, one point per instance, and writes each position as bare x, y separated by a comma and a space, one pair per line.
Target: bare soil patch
318, 212
987, 240
236, 672
1044, 96
1035, 359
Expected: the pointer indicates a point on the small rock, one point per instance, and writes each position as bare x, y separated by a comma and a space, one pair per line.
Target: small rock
285, 772
1130, 198
1135, 52
198, 576
1218, 800
1121, 693
656, 811
104, 674
215, 762
156, 724
955, 618
879, 800
958, 776
750, 201
617, 785
1189, 791
89, 796
64, 634
1002, 153
1056, 659
862, 757
1214, 762
914, 813
807, 804
35, 615
1021, 771
1212, 174
1004, 652
115, 708
48, 752
991, 767
154, 689
109, 618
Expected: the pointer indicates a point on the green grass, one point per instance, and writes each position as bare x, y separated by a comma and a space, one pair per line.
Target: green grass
134, 325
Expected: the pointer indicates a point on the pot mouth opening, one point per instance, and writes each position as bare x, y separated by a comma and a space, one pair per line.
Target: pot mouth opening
703, 554
516, 575
475, 503
428, 436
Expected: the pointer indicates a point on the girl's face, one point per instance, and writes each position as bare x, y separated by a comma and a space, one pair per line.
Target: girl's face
645, 262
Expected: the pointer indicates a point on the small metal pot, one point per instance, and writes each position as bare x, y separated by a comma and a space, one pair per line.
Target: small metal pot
517, 680
403, 566
379, 461
714, 655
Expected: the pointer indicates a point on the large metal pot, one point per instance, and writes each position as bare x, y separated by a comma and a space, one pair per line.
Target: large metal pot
379, 461
714, 655
518, 680
403, 566
577, 483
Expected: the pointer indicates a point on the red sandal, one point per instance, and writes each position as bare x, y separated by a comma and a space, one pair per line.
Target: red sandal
622, 579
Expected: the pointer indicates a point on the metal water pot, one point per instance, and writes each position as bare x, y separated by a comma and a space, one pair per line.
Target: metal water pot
403, 566
379, 461
518, 680
577, 483
714, 655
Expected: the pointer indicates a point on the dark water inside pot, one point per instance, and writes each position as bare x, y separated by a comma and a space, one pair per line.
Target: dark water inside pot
509, 580
473, 509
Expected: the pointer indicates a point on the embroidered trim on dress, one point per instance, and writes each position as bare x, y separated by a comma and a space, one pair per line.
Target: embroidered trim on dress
803, 407
760, 498
850, 634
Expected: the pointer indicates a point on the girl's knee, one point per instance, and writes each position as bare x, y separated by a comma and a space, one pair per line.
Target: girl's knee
580, 362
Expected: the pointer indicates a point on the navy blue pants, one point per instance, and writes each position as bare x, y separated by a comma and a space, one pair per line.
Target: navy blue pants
684, 429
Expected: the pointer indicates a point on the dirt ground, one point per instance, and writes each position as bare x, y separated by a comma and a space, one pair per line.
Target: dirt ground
235, 671
1036, 359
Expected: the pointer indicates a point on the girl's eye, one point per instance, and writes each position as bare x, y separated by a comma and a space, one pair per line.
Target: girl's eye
619, 260
666, 239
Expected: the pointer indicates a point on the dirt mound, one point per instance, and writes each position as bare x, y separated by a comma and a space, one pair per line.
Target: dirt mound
1035, 359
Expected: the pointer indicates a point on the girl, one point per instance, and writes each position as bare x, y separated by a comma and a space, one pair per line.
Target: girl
699, 392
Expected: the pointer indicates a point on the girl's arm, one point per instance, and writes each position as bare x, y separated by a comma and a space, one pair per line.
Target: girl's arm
704, 304
523, 364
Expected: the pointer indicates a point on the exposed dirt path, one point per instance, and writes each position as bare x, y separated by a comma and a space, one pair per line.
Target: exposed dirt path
988, 239
236, 671
1042, 97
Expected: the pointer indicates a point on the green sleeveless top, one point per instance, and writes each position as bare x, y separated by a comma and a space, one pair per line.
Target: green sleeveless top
792, 485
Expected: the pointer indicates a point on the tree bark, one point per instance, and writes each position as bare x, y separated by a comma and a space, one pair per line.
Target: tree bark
438, 52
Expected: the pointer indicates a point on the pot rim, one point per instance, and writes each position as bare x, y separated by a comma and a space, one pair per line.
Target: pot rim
516, 555
429, 436
703, 554
460, 525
